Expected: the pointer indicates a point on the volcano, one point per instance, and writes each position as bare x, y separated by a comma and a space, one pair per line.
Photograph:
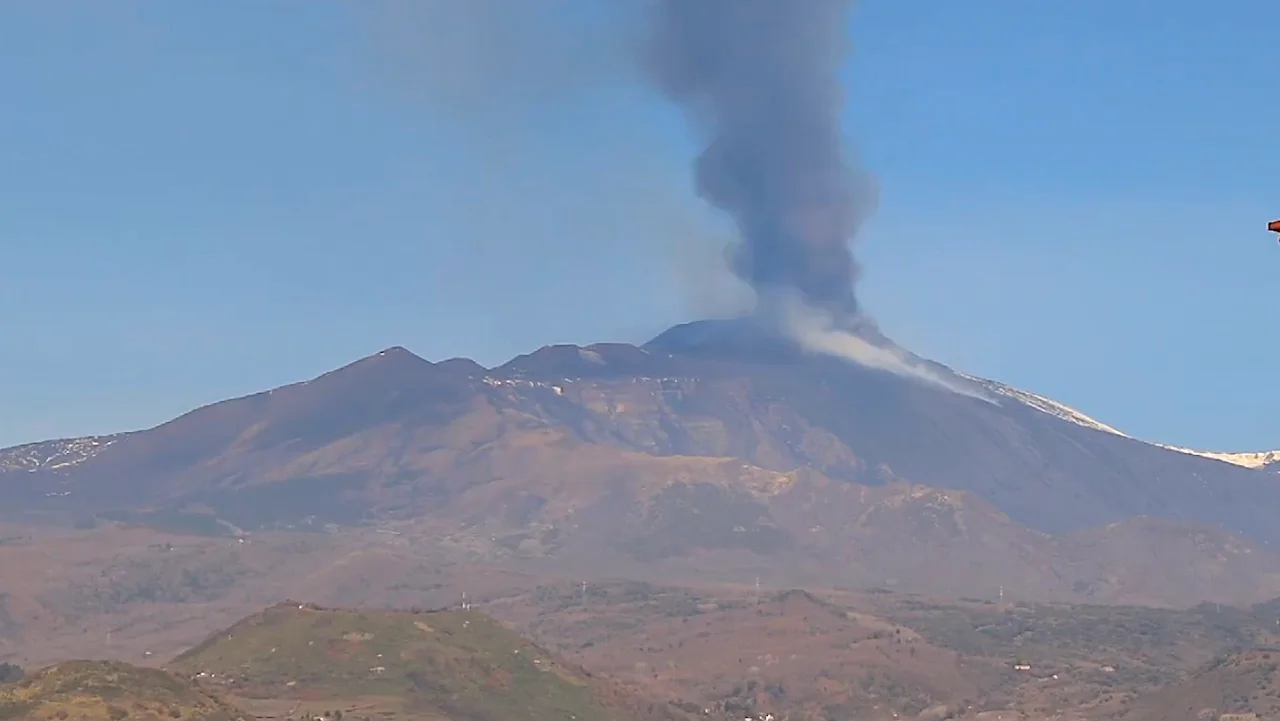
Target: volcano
716, 439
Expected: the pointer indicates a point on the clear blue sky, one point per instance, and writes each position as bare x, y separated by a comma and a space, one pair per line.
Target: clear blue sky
200, 200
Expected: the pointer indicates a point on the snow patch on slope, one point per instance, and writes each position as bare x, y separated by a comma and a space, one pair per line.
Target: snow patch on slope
1046, 405
65, 453
54, 455
1257, 460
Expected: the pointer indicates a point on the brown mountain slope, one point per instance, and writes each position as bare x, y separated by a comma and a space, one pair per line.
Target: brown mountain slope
325, 447
591, 510
730, 452
394, 434
900, 653
1153, 560
782, 653
126, 591
1241, 687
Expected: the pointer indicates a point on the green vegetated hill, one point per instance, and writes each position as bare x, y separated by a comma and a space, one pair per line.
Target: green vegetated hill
459, 665
110, 691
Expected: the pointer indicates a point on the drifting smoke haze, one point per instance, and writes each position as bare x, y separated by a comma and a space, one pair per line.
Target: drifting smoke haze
757, 80
490, 65
819, 332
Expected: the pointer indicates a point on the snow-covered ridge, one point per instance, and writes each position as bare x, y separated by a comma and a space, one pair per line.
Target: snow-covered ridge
1259, 459
54, 455
1046, 405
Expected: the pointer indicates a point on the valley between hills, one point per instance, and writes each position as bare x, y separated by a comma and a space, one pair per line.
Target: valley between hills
705, 525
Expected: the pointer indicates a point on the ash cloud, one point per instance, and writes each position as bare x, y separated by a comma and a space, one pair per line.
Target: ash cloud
757, 80
760, 78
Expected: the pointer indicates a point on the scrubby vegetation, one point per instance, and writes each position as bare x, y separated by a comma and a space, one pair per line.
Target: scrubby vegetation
459, 664
110, 691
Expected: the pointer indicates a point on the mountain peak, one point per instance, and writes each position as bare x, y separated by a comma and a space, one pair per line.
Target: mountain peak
744, 338
397, 351
393, 359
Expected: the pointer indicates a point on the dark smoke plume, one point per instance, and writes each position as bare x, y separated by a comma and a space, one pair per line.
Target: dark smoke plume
760, 77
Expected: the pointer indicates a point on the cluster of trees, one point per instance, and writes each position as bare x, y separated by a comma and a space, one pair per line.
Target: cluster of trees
10, 672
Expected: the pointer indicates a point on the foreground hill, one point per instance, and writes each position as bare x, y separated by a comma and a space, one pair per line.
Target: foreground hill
1241, 687
717, 652
791, 653
708, 447
875, 655
456, 665
110, 691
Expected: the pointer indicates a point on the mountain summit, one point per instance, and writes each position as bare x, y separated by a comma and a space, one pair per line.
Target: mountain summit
736, 339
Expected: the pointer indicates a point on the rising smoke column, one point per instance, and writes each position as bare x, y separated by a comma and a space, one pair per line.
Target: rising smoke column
760, 77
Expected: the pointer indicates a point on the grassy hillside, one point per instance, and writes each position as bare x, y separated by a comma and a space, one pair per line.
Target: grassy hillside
457, 664
109, 691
